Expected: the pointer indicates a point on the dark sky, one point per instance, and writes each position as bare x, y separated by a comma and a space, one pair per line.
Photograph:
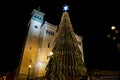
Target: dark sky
91, 20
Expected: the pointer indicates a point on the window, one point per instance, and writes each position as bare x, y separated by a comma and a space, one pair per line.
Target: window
50, 32
30, 60
53, 33
35, 16
30, 47
39, 18
36, 27
46, 31
48, 45
34, 37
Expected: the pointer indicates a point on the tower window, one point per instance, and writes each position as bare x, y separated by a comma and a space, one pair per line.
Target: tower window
30, 47
36, 26
35, 16
30, 60
48, 45
35, 37
47, 31
39, 18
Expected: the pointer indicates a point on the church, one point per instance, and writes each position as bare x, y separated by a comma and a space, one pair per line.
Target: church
52, 52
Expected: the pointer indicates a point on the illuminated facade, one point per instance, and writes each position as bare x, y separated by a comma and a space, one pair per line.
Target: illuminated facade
38, 44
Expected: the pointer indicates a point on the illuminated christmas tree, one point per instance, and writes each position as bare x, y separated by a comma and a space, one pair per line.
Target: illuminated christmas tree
66, 62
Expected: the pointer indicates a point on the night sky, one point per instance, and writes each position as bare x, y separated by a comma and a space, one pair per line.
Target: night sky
91, 20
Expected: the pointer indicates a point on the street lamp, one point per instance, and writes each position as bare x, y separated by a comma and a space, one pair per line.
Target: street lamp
50, 55
29, 67
113, 27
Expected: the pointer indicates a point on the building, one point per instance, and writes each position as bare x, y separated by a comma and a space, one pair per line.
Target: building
38, 44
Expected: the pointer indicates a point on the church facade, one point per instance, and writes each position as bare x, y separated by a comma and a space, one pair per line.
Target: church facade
38, 46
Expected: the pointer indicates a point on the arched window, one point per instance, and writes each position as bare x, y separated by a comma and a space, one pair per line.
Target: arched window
46, 31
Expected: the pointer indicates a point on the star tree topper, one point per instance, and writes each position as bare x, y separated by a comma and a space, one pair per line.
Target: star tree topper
65, 8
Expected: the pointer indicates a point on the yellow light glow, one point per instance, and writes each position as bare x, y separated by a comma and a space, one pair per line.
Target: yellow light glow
51, 53
116, 31
29, 66
108, 36
114, 38
113, 27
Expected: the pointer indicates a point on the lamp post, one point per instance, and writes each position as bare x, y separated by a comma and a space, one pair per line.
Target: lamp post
29, 67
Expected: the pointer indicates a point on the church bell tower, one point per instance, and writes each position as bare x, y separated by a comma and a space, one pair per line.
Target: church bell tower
32, 44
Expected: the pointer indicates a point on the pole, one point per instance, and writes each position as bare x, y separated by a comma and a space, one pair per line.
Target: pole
28, 77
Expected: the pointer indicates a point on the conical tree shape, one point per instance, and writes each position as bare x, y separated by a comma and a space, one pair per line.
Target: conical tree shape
66, 61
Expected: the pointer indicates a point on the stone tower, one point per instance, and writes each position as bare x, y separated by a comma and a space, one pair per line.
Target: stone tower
66, 61
39, 38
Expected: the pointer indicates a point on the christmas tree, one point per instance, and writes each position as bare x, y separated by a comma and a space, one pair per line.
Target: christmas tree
66, 62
